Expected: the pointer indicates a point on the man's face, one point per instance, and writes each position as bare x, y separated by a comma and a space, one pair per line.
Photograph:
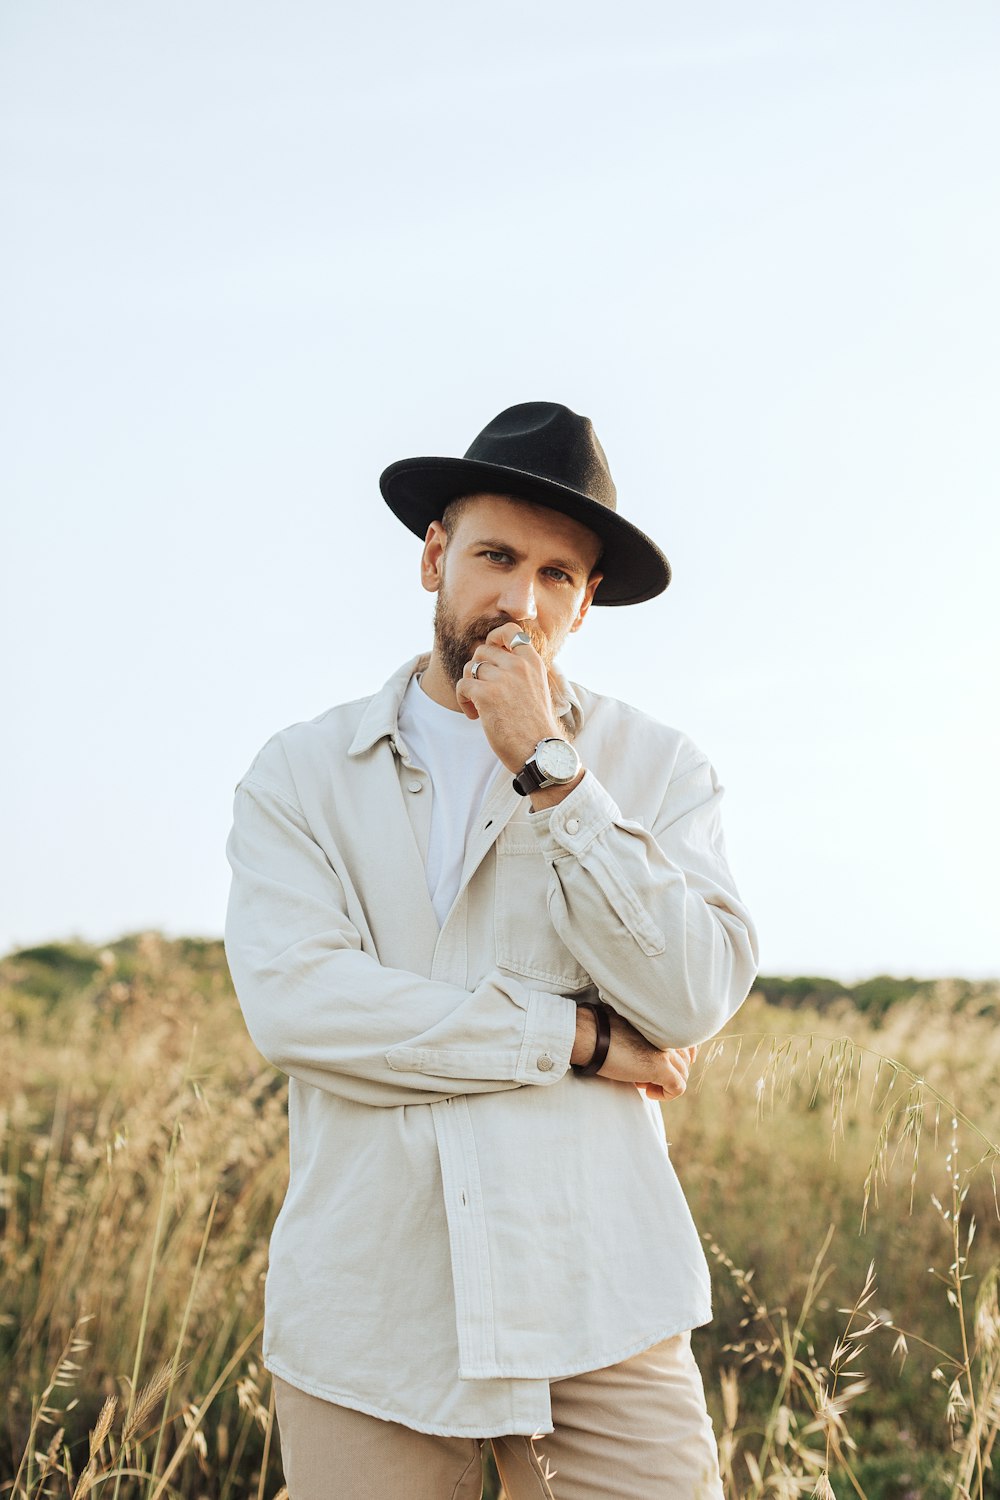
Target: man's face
508, 560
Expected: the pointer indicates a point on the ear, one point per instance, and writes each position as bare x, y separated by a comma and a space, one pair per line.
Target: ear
432, 561
586, 601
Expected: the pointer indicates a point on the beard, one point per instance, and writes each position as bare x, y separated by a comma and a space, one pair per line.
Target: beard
455, 643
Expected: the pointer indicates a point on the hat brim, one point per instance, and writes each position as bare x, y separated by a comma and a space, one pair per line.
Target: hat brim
417, 490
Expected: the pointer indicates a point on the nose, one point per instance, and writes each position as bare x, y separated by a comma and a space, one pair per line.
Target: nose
517, 597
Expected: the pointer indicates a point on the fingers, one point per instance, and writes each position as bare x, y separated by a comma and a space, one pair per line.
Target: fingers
671, 1090
682, 1058
672, 1075
510, 637
465, 703
673, 1081
496, 653
490, 664
659, 1074
483, 656
505, 645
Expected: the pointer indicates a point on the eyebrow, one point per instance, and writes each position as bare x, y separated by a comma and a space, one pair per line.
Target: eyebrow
568, 565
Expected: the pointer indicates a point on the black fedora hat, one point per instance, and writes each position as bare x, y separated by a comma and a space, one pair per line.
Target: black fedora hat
545, 453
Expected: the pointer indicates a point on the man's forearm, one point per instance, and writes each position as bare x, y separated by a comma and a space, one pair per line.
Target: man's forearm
652, 916
329, 1014
586, 1037
631, 1059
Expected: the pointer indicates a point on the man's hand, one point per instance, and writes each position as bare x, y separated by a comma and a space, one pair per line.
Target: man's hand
681, 1058
510, 696
662, 1074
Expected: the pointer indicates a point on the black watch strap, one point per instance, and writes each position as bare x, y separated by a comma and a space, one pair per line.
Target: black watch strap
529, 779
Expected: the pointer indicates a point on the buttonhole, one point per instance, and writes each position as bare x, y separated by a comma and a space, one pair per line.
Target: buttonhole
463, 1200
489, 825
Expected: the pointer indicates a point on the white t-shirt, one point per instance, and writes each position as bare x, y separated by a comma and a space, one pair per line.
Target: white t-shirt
460, 762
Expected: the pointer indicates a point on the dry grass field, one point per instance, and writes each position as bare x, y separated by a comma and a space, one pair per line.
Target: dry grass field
839, 1162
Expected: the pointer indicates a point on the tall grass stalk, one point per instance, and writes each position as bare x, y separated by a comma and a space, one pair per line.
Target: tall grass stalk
140, 1343
199, 1410
182, 1333
143, 1171
824, 1070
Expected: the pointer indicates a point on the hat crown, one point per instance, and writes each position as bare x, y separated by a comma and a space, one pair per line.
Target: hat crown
548, 440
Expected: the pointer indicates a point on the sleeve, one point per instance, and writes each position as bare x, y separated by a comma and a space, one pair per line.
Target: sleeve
330, 1015
652, 915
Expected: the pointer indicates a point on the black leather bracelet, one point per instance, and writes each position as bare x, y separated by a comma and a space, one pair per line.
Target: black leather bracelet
603, 1018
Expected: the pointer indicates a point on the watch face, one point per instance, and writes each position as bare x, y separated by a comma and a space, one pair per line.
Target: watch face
557, 760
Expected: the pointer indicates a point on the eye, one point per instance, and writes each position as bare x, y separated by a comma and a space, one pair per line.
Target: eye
497, 557
558, 575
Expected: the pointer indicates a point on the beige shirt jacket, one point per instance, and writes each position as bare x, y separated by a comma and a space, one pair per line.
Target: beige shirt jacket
466, 1218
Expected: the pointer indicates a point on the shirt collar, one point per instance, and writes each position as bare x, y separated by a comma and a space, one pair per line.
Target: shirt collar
380, 719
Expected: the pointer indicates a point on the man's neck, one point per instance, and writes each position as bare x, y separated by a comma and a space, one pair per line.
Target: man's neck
438, 686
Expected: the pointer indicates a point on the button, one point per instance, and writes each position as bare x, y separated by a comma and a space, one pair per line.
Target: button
414, 786
545, 1063
572, 825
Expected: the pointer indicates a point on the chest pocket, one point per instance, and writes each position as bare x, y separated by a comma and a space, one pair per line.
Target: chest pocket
526, 941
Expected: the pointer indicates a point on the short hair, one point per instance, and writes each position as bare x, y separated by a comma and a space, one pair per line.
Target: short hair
452, 514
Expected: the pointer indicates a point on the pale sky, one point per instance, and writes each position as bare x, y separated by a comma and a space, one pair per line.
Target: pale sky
253, 253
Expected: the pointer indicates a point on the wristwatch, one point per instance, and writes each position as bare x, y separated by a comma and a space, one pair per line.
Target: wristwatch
553, 764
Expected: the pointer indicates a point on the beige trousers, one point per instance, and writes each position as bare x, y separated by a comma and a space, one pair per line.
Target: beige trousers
638, 1430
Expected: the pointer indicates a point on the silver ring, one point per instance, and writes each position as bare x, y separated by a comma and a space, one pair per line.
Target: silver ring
519, 640
475, 669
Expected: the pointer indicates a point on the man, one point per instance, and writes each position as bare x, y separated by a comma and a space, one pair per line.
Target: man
481, 920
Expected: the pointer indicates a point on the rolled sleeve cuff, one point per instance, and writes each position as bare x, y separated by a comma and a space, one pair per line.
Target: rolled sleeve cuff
547, 1039
549, 1035
574, 823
